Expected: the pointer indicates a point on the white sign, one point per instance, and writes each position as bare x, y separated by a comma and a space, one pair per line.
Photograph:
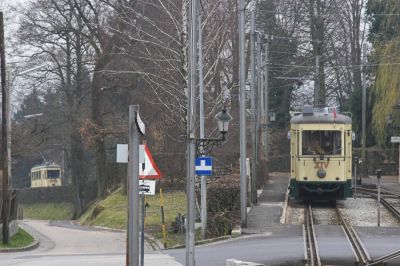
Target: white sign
123, 153
147, 187
395, 140
150, 169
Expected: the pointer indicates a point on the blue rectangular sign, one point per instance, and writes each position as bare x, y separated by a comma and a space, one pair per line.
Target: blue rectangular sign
203, 166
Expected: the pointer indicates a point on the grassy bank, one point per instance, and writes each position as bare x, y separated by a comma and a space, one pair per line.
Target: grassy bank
112, 212
48, 211
19, 240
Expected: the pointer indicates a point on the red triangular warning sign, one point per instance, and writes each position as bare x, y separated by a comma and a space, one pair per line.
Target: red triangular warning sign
151, 170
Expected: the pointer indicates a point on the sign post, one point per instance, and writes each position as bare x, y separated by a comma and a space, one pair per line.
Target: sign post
378, 176
133, 186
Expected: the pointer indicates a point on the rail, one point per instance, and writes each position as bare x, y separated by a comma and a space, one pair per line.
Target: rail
359, 249
388, 206
385, 192
311, 240
395, 212
386, 258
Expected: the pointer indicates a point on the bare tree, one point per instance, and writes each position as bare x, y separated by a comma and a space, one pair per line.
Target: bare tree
52, 32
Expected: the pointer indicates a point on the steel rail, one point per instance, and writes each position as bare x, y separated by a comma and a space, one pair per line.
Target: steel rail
311, 239
385, 203
383, 191
390, 207
385, 258
361, 253
395, 212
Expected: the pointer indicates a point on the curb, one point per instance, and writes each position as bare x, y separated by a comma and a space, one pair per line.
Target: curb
98, 227
284, 216
154, 243
233, 262
203, 242
32, 246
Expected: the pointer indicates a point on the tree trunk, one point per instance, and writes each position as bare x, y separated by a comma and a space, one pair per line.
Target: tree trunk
96, 115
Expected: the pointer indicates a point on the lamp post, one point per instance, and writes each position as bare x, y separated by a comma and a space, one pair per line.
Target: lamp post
204, 146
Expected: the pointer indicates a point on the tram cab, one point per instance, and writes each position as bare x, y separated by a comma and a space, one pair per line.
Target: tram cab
321, 153
46, 175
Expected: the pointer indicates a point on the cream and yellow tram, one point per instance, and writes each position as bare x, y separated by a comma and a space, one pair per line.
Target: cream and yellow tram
45, 175
321, 153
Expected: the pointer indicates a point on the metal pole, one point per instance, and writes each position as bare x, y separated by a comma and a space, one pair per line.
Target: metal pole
355, 177
142, 235
253, 110
5, 137
133, 189
378, 175
399, 162
242, 116
260, 89
203, 179
316, 85
379, 202
260, 103
191, 148
266, 107
364, 108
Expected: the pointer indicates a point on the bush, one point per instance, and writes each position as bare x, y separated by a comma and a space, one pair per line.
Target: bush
223, 204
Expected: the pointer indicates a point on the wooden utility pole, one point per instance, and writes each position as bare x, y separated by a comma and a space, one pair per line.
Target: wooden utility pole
5, 146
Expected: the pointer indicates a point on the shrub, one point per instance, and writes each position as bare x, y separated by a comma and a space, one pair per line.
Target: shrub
223, 204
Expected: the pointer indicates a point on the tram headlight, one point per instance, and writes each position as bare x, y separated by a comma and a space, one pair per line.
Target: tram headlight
321, 173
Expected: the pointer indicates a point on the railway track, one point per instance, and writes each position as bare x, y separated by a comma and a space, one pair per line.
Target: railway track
312, 253
384, 194
360, 252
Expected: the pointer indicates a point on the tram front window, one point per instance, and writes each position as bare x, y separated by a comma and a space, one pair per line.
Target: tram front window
53, 174
317, 142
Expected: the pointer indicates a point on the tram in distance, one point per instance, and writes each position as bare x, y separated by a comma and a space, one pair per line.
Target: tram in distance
46, 175
321, 155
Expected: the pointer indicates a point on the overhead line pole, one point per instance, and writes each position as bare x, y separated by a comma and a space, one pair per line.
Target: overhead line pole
203, 179
5, 136
316, 82
191, 143
364, 109
266, 104
260, 109
242, 115
253, 110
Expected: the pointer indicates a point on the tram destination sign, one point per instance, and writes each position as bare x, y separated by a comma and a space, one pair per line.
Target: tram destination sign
395, 139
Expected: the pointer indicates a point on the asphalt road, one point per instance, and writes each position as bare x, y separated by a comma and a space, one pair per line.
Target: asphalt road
281, 245
66, 244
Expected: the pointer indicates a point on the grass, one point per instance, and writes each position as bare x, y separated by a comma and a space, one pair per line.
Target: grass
112, 212
48, 211
19, 240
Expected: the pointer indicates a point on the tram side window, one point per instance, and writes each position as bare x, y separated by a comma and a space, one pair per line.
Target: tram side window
53, 174
318, 142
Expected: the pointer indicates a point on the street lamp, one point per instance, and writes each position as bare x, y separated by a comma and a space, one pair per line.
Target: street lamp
206, 145
223, 118
272, 116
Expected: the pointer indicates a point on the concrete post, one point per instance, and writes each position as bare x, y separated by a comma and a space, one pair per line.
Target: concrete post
242, 115
191, 142
253, 110
133, 189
